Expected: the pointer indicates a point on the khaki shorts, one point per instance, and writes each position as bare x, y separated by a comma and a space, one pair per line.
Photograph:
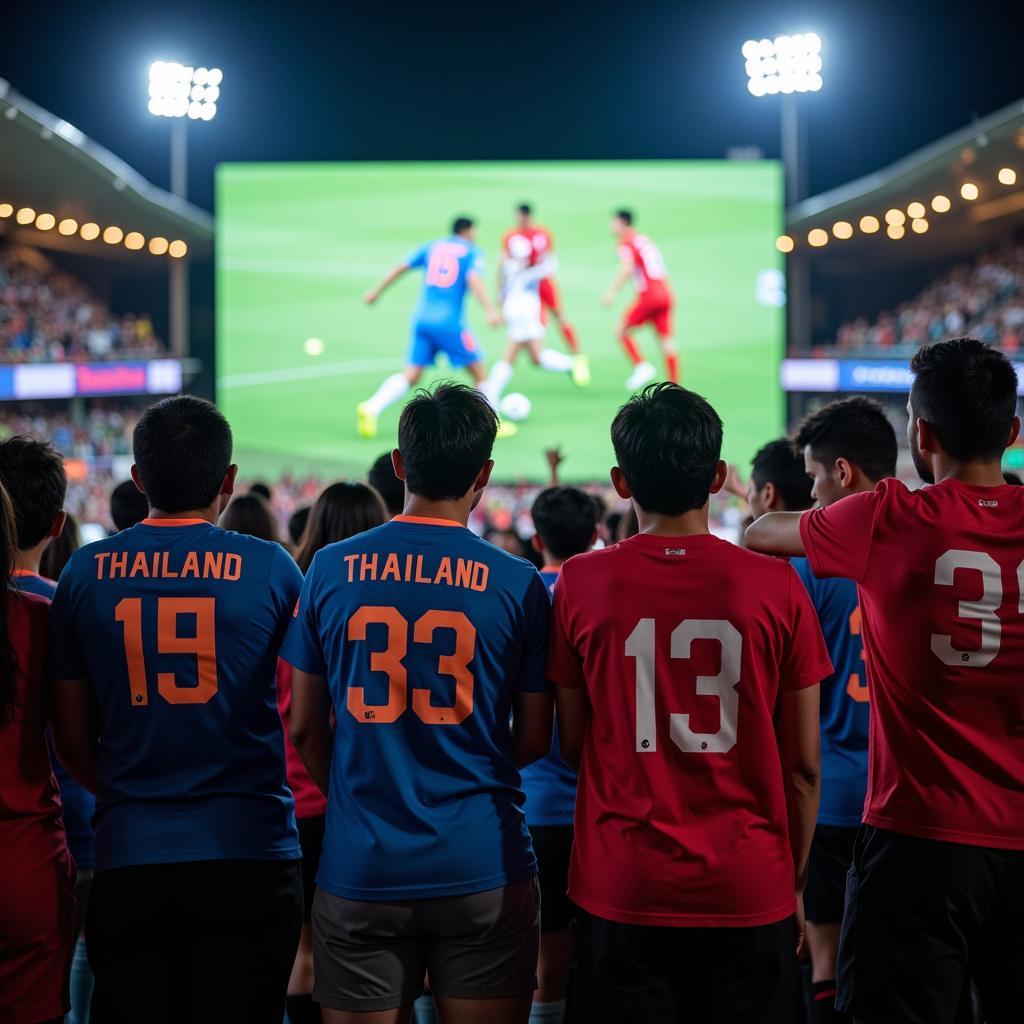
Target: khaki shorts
374, 955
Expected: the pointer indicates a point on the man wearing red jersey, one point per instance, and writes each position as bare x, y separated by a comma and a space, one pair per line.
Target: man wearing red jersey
527, 239
641, 259
937, 882
686, 674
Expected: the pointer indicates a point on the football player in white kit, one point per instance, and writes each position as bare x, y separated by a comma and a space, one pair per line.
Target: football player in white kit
521, 311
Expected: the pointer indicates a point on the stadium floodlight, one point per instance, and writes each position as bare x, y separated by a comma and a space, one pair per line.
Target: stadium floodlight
785, 64
180, 90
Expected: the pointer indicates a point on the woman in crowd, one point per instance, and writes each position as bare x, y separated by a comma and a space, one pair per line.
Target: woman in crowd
340, 512
251, 514
37, 874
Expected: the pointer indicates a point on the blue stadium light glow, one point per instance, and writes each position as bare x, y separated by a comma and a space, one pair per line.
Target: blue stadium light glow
786, 64
180, 90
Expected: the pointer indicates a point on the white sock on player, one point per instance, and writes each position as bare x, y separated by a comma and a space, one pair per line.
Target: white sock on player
390, 391
500, 375
554, 361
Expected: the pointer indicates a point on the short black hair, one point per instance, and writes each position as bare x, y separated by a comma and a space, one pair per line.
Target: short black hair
855, 429
626, 216
33, 473
967, 391
668, 442
262, 489
461, 224
383, 480
525, 209
445, 436
182, 449
297, 524
565, 519
128, 505
778, 463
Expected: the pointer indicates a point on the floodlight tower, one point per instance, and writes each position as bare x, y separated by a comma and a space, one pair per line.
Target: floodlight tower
785, 66
182, 93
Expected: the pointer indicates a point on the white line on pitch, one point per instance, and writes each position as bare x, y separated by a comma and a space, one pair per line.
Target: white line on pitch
247, 380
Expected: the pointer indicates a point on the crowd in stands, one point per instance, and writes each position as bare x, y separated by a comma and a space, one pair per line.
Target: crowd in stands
47, 316
984, 299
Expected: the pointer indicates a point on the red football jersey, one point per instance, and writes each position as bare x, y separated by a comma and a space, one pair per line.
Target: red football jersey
534, 242
648, 264
309, 801
941, 576
683, 644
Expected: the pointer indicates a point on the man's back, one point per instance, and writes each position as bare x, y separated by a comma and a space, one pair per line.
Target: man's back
447, 263
176, 623
941, 575
425, 634
683, 644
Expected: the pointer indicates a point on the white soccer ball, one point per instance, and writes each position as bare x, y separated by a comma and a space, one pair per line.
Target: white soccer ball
515, 407
313, 347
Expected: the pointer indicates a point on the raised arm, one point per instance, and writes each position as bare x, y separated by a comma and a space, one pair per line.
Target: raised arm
311, 725
76, 729
479, 289
385, 282
776, 533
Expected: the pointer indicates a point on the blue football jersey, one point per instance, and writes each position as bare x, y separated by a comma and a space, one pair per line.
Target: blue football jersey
844, 700
550, 784
425, 633
77, 801
176, 624
447, 264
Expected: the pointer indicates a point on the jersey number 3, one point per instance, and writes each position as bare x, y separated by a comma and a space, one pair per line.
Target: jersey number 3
640, 646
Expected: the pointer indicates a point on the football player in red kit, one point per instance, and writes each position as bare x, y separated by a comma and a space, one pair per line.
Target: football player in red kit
641, 259
534, 241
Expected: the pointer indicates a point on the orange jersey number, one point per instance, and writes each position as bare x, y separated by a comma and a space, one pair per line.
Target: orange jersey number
854, 687
203, 645
391, 661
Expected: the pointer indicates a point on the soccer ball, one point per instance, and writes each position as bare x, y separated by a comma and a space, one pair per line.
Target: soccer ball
515, 407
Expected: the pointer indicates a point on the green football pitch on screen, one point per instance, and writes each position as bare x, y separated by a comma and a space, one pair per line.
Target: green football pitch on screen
298, 245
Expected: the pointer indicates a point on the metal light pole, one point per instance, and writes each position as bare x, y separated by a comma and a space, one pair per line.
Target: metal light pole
181, 93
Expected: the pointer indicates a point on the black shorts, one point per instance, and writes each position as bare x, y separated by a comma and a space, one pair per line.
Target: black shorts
921, 917
311, 841
629, 973
553, 846
831, 856
208, 940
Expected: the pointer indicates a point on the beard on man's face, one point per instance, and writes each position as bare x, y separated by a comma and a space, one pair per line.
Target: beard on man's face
924, 471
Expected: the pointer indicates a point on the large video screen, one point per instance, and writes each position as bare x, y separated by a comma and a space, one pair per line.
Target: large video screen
299, 349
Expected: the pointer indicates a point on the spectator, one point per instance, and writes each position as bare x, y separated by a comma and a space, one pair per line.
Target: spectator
128, 505
383, 480
251, 514
56, 556
297, 526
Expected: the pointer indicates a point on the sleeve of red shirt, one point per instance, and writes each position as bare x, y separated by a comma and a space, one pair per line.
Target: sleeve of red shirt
805, 660
838, 539
565, 666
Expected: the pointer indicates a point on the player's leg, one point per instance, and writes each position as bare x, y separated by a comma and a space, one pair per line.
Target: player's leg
501, 373
549, 359
482, 953
553, 847
552, 303
643, 371
246, 918
301, 1008
369, 959
662, 320
392, 389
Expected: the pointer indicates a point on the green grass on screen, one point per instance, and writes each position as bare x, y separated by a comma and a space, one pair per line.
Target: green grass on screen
299, 244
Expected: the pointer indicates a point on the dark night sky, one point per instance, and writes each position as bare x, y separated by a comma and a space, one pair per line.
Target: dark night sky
391, 80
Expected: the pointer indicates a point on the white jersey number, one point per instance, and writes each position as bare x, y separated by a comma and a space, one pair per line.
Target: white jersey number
640, 645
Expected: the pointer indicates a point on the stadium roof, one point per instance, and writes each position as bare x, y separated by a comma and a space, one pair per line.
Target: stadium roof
974, 155
50, 167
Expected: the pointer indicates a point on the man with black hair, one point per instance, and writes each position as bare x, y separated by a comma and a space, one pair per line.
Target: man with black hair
427, 641
566, 521
847, 447
451, 266
164, 642
641, 259
383, 480
937, 882
687, 674
778, 480
528, 240
128, 505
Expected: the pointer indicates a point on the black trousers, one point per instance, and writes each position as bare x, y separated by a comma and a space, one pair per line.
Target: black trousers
208, 942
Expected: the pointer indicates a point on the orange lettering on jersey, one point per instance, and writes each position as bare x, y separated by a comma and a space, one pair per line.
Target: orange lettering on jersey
118, 564
480, 574
367, 567
191, 566
165, 569
463, 573
213, 564
408, 569
101, 557
444, 572
350, 561
140, 567
420, 578
232, 566
391, 569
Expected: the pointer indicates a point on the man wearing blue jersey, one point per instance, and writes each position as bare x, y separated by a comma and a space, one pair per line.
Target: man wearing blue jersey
847, 447
164, 642
566, 521
426, 641
451, 266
